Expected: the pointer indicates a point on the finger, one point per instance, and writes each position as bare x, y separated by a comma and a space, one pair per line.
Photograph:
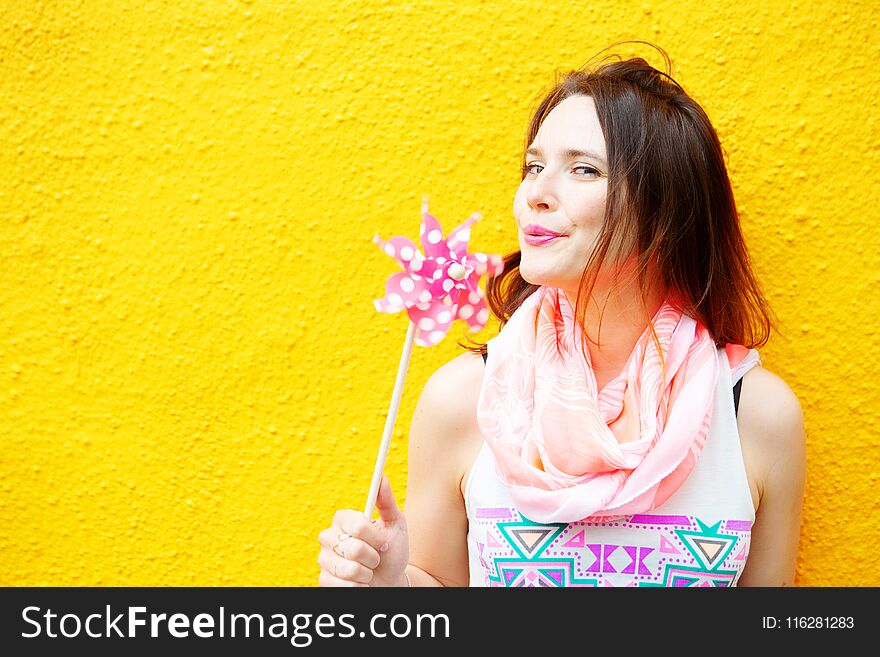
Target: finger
343, 568
385, 502
327, 579
344, 517
329, 536
357, 550
371, 533
351, 547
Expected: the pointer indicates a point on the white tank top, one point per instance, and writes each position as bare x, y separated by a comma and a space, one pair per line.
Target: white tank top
698, 537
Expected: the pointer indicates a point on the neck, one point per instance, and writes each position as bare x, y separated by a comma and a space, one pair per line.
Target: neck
622, 323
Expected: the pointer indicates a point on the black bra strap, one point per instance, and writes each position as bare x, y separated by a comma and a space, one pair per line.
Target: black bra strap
736, 388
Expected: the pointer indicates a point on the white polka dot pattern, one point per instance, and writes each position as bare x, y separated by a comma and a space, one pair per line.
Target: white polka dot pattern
432, 297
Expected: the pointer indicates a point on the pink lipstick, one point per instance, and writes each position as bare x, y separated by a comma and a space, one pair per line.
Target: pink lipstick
537, 235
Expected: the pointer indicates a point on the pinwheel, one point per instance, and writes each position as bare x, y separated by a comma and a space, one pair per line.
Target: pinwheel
435, 289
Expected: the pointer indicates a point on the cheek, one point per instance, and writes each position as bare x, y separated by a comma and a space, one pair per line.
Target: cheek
589, 209
519, 201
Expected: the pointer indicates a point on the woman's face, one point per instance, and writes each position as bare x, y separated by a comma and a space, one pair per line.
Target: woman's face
563, 191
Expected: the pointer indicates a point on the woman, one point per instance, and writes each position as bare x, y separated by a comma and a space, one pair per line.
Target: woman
619, 430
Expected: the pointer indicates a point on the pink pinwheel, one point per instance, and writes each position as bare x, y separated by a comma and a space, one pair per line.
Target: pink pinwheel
441, 286
435, 289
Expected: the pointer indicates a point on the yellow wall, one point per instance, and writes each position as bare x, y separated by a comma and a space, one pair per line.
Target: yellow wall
192, 373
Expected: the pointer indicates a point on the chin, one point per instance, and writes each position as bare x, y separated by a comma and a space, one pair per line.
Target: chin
526, 274
535, 279
547, 278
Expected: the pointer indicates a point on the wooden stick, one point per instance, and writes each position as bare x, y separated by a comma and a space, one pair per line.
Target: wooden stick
389, 422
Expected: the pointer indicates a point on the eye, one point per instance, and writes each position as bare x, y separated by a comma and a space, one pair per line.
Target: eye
527, 169
587, 170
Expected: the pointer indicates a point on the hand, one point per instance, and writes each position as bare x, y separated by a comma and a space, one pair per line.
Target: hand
367, 553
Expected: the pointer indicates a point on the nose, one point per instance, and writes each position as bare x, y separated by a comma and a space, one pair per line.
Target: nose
540, 194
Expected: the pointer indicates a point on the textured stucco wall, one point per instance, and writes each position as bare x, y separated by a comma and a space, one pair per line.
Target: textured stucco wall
192, 373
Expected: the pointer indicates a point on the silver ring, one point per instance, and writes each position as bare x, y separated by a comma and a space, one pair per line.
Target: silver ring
338, 549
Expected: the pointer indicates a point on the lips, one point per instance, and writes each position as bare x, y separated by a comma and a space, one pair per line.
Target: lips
541, 231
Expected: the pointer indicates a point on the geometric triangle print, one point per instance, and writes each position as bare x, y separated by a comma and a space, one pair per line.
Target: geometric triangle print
666, 546
530, 537
680, 575
555, 575
510, 575
575, 541
741, 555
710, 548
491, 541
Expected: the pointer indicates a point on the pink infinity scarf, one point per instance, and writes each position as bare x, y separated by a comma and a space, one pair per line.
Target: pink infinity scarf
567, 451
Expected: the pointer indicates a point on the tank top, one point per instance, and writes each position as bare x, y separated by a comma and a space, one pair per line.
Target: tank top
698, 537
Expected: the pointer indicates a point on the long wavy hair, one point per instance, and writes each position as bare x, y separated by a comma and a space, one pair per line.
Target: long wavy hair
669, 202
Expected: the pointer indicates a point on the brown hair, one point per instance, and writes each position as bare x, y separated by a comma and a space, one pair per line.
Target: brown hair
668, 189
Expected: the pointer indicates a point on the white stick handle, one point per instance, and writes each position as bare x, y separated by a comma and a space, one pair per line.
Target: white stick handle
389, 422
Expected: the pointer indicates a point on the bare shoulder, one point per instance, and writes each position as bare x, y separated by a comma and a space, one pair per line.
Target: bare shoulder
772, 431
446, 412
770, 412
457, 383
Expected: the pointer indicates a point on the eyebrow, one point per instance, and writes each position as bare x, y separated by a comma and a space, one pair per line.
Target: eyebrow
569, 153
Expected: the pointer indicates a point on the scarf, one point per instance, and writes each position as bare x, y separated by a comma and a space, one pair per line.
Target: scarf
567, 451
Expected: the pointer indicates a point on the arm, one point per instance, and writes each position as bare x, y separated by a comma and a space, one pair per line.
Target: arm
771, 421
436, 516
